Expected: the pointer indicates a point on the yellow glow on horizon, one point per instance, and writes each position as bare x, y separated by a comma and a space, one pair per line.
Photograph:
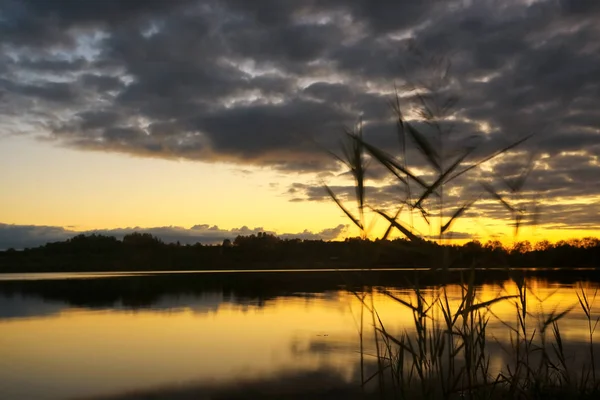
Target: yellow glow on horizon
484, 229
93, 190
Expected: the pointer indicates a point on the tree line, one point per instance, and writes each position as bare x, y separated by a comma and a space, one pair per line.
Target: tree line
143, 251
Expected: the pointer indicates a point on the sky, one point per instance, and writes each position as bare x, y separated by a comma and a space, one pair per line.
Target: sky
198, 120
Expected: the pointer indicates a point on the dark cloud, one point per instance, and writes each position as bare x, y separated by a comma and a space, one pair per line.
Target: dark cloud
279, 132
41, 23
58, 92
26, 236
583, 7
53, 65
101, 83
456, 236
273, 82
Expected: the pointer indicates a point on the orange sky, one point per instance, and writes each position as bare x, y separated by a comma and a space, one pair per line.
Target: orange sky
92, 190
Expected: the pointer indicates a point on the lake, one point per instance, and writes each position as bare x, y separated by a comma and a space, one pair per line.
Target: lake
84, 336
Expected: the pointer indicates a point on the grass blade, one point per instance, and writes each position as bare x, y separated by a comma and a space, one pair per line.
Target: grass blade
341, 206
490, 157
457, 214
488, 188
440, 180
389, 229
424, 146
391, 164
486, 304
399, 226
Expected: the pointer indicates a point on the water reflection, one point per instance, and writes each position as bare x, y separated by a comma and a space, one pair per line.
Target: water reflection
85, 338
20, 306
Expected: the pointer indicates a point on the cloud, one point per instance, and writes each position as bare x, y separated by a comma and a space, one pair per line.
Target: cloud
22, 236
271, 83
455, 236
27, 236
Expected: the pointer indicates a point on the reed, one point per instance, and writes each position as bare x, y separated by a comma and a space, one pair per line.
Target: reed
447, 351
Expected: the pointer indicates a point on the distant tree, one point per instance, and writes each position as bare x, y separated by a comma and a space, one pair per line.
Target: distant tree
590, 242
521, 247
494, 245
473, 245
542, 245
141, 240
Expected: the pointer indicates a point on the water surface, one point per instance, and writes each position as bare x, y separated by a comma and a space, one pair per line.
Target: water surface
86, 335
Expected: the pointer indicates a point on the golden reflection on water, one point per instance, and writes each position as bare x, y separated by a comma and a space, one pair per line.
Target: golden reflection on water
82, 352
80, 349
543, 299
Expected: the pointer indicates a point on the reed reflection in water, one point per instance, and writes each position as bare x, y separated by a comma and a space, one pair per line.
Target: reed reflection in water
70, 339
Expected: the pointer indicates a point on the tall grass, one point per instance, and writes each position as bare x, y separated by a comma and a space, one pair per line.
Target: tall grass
447, 351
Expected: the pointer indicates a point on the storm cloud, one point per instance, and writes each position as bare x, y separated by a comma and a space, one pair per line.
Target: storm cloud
271, 83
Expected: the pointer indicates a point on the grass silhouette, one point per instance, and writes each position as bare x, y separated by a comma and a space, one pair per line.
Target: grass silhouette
446, 351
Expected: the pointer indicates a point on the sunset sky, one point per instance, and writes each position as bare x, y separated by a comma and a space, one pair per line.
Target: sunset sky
198, 120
